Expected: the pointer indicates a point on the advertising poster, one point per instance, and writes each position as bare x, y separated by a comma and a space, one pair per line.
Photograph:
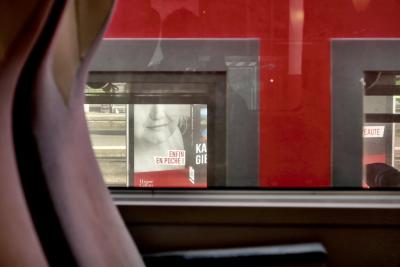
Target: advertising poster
170, 145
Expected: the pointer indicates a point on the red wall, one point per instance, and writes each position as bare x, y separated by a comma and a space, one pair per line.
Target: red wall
295, 107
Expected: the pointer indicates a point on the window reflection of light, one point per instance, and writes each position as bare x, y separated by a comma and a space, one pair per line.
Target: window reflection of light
297, 16
361, 5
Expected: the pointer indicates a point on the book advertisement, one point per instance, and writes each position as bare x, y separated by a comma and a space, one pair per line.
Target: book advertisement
170, 145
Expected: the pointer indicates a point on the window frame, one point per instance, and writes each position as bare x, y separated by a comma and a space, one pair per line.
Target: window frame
259, 198
350, 57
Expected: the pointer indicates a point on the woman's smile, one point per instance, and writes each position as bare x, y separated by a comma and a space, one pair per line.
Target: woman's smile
157, 127
155, 123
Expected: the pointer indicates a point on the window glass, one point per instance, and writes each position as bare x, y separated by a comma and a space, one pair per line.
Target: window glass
248, 94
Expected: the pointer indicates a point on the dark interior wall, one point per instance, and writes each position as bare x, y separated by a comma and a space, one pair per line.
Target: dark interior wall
352, 237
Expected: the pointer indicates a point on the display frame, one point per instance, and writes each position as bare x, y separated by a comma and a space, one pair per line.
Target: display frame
238, 57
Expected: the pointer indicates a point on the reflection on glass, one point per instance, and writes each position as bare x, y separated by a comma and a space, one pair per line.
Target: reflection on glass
156, 133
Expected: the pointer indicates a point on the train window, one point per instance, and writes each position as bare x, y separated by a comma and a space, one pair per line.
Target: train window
247, 94
371, 78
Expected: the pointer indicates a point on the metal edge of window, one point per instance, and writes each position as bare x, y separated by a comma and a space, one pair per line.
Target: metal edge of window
333, 199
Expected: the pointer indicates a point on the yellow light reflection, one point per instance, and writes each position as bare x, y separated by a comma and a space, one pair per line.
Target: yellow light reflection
296, 16
296, 9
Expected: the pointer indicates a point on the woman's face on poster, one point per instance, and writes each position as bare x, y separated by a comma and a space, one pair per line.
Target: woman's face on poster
155, 123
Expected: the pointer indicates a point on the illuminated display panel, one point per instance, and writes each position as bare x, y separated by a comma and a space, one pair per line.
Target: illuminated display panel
152, 131
170, 145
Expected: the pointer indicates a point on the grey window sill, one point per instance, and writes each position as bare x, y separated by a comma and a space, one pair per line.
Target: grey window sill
260, 198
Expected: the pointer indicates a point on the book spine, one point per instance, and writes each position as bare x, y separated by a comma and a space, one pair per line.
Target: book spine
198, 162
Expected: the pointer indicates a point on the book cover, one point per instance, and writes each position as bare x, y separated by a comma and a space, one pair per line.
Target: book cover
170, 145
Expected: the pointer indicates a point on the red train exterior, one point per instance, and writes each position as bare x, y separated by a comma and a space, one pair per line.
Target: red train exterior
295, 89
